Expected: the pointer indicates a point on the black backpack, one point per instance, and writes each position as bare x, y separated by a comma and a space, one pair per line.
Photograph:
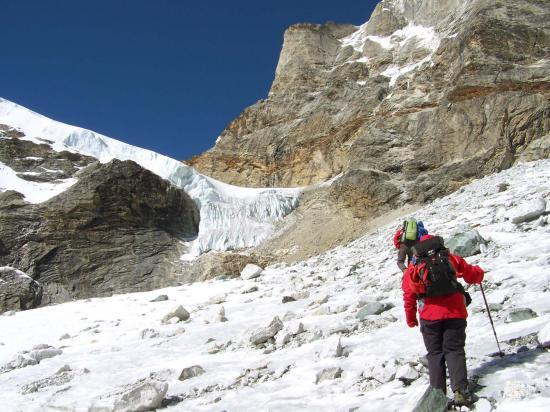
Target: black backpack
435, 270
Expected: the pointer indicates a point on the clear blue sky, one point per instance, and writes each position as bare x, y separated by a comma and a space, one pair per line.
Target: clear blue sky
168, 75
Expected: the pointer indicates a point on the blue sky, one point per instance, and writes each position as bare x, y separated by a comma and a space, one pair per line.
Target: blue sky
168, 75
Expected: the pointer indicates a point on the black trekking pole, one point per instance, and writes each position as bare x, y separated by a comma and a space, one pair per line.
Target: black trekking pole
500, 353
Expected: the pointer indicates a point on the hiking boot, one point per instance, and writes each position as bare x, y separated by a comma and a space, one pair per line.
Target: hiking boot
462, 398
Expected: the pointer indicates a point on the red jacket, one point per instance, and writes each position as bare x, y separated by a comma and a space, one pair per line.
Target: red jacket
441, 307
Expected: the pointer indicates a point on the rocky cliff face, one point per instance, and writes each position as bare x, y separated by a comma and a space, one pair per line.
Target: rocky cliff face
18, 291
425, 96
117, 229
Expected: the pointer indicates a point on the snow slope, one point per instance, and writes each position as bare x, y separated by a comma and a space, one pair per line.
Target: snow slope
109, 343
231, 217
35, 192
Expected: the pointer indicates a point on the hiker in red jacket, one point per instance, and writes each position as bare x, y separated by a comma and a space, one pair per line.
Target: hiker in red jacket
430, 283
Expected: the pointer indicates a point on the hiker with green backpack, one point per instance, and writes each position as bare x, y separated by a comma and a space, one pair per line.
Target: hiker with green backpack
405, 238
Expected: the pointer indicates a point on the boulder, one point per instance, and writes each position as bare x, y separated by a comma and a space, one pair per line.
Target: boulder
407, 374
45, 353
176, 332
250, 289
262, 335
179, 313
527, 211
427, 399
332, 348
300, 295
33, 357
217, 264
148, 333
283, 338
373, 308
321, 300
20, 361
520, 314
220, 316
191, 372
289, 316
328, 374
465, 242
251, 271
339, 329
288, 332
143, 396
216, 300
160, 298
322, 311
18, 291
384, 373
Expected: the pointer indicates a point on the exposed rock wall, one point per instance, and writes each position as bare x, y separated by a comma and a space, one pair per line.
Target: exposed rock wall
18, 291
408, 107
118, 229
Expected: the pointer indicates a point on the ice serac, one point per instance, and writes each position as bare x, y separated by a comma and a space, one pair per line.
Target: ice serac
422, 98
231, 217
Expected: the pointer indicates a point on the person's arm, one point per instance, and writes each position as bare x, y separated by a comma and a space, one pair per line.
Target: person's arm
396, 238
409, 301
470, 273
401, 256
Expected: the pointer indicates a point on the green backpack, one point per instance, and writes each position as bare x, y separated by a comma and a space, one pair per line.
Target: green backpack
410, 230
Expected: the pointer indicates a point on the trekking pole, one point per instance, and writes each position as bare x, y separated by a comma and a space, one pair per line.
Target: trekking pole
491, 320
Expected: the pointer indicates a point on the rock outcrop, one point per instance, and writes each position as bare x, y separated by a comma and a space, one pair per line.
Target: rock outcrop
408, 107
18, 291
38, 162
117, 229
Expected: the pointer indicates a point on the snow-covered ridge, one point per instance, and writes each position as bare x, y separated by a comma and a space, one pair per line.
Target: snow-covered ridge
231, 216
34, 192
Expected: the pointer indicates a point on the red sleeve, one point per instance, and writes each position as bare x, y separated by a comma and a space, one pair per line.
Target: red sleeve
470, 273
409, 298
396, 237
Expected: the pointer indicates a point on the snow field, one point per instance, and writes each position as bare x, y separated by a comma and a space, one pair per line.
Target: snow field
104, 334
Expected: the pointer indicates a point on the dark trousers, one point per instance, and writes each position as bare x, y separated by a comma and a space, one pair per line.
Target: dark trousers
444, 341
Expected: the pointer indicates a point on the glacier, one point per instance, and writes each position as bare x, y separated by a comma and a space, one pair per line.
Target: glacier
232, 217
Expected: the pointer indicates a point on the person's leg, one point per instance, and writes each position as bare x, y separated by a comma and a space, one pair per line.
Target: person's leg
454, 339
432, 333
